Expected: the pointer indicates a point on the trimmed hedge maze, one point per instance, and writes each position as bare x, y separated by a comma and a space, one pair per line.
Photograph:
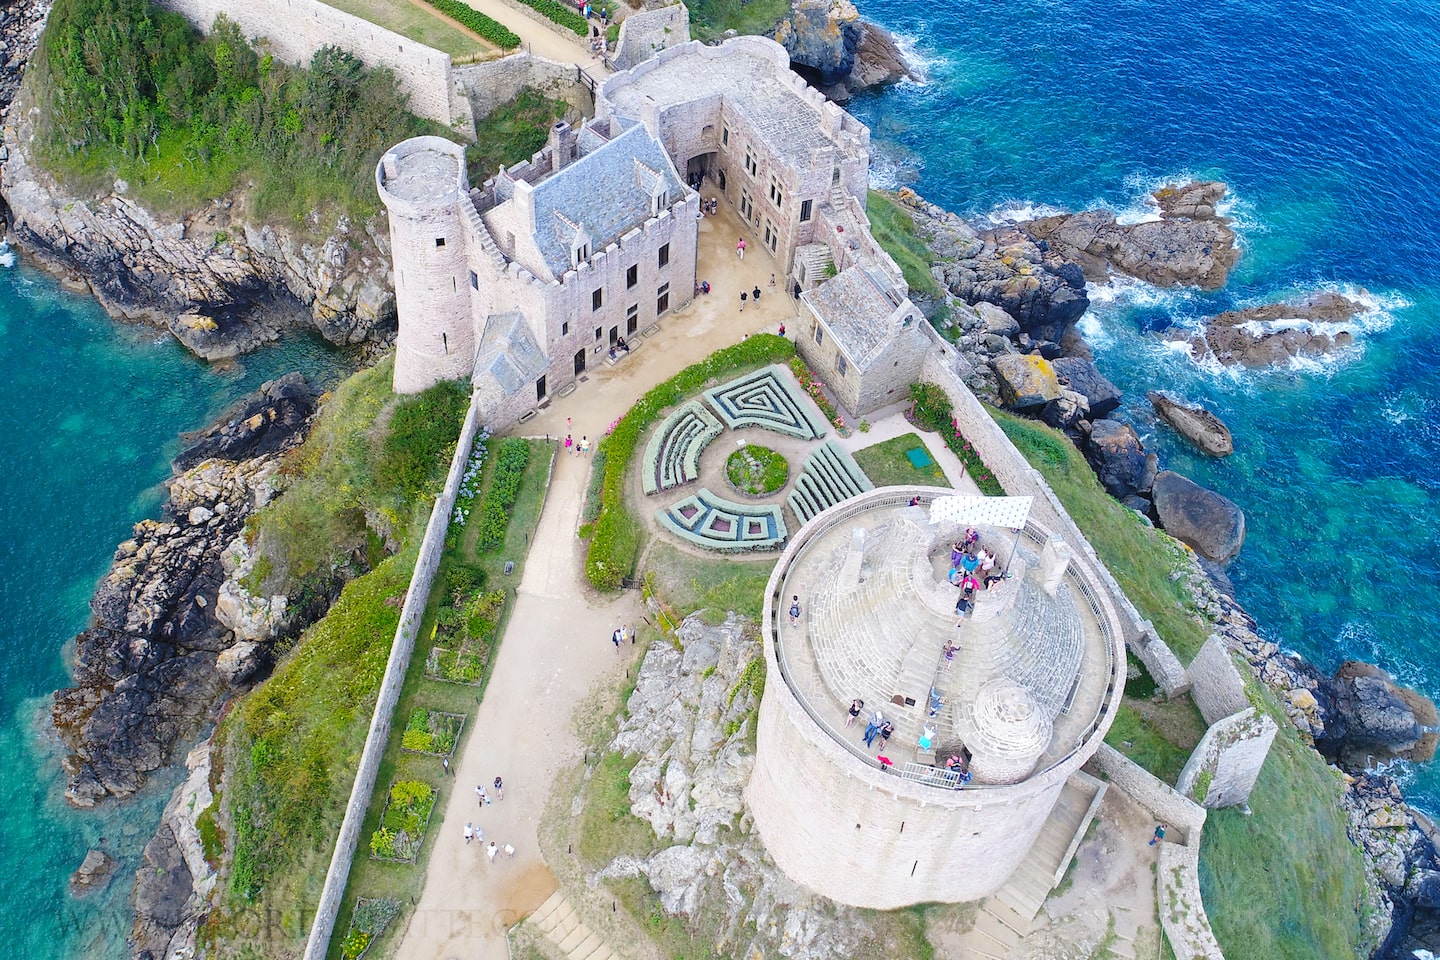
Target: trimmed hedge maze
672, 456
718, 524
764, 399
829, 476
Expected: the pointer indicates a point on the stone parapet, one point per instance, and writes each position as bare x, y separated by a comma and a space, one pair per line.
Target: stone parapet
1215, 682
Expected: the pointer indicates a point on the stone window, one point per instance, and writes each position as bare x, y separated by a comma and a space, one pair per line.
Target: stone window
474, 281
751, 167
840, 365
565, 328
439, 241
772, 234
597, 299
724, 136
777, 192
632, 276
746, 204
805, 207
819, 333
598, 332
665, 255
662, 299
632, 318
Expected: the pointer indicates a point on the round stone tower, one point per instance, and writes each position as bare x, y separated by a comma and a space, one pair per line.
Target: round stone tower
993, 713
423, 185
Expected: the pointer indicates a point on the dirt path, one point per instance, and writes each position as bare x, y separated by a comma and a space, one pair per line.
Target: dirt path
557, 647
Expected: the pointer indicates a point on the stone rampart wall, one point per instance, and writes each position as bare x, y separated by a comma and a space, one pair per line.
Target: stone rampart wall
1232, 753
642, 34
1215, 682
295, 29
396, 667
487, 85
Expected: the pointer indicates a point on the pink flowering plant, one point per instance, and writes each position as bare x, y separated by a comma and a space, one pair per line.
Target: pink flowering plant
810, 383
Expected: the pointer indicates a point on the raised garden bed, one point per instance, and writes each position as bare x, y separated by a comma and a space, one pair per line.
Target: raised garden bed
402, 824
369, 921
432, 732
464, 637
756, 470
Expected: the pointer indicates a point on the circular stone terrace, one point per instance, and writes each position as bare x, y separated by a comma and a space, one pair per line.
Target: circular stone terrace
1032, 686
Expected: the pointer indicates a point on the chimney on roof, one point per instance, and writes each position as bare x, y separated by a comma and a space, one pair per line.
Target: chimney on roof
562, 145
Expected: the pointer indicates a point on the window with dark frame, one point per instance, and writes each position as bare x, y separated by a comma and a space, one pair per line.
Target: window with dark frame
665, 255
632, 276
597, 299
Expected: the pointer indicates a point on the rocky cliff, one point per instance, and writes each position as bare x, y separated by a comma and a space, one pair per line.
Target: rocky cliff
840, 53
218, 278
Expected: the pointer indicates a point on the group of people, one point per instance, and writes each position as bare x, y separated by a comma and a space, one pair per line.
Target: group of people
618, 347
754, 294
580, 447
620, 634
474, 833
878, 727
971, 568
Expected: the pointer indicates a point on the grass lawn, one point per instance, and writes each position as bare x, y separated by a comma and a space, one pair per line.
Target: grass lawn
1158, 736
709, 19
373, 878
511, 133
693, 584
417, 22
1140, 557
886, 465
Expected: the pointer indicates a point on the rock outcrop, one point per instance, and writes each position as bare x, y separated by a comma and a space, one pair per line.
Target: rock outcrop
1208, 522
21, 22
1081, 375
1189, 244
841, 54
1277, 333
173, 884
1027, 382
93, 874
146, 670
1196, 424
1119, 460
219, 279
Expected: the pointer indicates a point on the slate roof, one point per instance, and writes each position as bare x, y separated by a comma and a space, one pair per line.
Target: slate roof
508, 353
602, 195
855, 307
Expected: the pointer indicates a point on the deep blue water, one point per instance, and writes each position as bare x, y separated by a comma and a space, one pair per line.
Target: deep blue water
89, 417
1324, 118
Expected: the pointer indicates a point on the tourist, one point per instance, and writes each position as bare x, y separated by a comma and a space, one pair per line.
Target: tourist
915, 501
469, 832
1159, 835
885, 762
569, 443
971, 538
584, 446
491, 850
509, 852
927, 736
872, 728
936, 702
887, 730
740, 248
615, 638
742, 301
962, 607
782, 329
969, 562
612, 353
795, 610
856, 706
705, 287
950, 650
499, 786
956, 553
969, 584
755, 294
772, 279
480, 796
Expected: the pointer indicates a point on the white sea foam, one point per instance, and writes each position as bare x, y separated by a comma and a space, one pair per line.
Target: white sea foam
1018, 211
921, 64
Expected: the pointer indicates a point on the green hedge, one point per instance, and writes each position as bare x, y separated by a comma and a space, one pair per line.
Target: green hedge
491, 29
510, 463
562, 14
616, 544
932, 409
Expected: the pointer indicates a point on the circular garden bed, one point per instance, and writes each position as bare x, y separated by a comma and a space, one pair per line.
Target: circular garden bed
756, 470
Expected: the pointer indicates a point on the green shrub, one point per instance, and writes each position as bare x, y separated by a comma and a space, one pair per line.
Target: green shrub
420, 441
565, 16
488, 28
616, 544
418, 740
511, 133
510, 462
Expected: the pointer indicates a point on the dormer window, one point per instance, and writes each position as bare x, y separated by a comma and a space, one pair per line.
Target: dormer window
579, 254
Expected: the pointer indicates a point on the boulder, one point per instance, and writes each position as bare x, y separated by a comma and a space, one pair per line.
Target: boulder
1026, 382
1065, 411
1210, 523
94, 873
1119, 459
1196, 424
262, 423
996, 320
1187, 245
821, 37
239, 663
1276, 333
1081, 375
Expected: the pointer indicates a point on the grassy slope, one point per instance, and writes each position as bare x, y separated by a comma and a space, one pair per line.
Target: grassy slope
511, 133
1285, 881
709, 19
895, 232
885, 463
420, 23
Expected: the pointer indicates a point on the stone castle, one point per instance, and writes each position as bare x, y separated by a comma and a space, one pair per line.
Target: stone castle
521, 283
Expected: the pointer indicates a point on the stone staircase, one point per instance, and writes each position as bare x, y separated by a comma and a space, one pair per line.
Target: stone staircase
1007, 916
560, 924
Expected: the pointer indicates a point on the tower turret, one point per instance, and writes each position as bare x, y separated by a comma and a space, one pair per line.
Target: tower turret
423, 184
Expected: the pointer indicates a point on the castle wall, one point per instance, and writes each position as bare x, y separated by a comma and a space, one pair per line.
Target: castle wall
646, 32
488, 85
1232, 752
295, 29
843, 831
1215, 682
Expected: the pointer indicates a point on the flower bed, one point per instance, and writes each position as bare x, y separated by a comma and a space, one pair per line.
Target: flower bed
402, 824
616, 542
488, 28
811, 384
464, 635
469, 483
510, 462
561, 14
369, 920
432, 732
756, 470
931, 409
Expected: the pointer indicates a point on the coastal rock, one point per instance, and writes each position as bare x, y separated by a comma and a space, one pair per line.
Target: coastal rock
1188, 244
1210, 523
173, 884
261, 424
996, 320
21, 22
1371, 712
238, 664
1277, 333
1026, 382
1064, 412
1196, 424
1081, 375
1041, 290
221, 284
821, 37
93, 874
1119, 459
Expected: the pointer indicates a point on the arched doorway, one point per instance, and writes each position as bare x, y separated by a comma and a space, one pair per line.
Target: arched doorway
579, 361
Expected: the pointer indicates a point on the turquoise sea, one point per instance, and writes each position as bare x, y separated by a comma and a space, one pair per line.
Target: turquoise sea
90, 412
1324, 119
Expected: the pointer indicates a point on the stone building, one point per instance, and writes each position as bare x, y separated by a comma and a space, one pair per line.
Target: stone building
521, 282
1020, 702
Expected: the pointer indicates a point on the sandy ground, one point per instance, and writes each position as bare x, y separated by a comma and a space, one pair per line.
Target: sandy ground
557, 645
